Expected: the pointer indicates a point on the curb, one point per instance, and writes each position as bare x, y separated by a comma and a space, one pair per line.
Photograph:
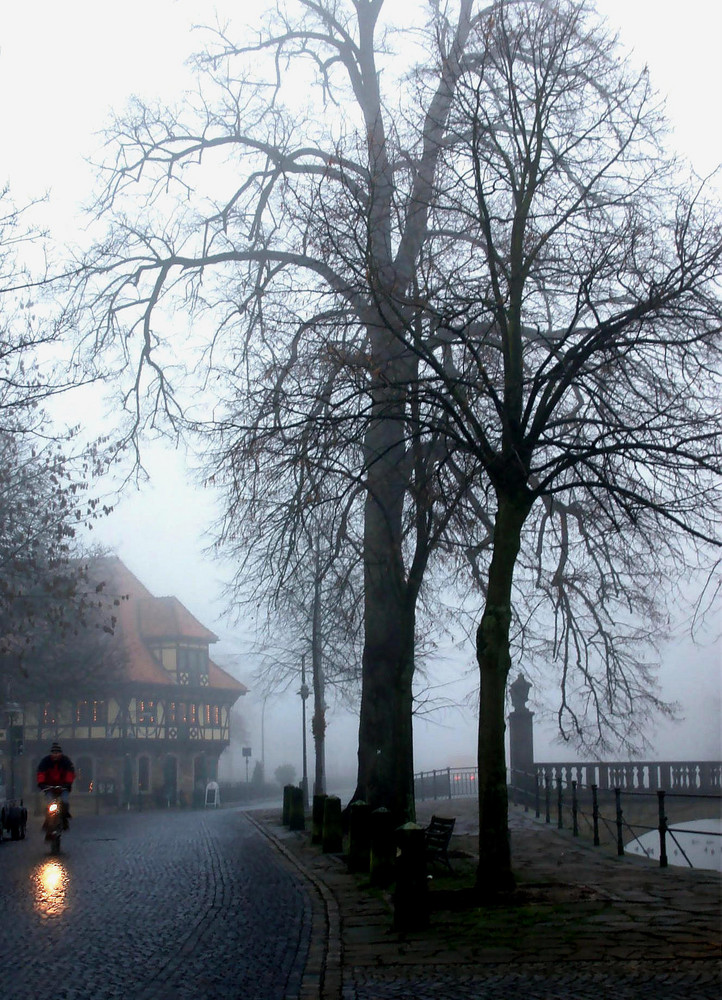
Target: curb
323, 973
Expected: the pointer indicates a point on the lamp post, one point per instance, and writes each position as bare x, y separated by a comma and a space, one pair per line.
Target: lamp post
304, 693
263, 736
13, 712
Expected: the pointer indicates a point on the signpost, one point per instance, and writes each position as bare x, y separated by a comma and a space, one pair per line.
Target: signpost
247, 753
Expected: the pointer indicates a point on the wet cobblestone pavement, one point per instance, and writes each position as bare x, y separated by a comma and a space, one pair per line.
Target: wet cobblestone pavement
224, 904
152, 906
595, 927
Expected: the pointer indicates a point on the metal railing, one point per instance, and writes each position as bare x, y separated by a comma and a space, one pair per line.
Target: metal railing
608, 813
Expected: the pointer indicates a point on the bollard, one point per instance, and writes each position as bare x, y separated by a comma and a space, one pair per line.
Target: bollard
296, 812
319, 802
286, 814
332, 836
359, 836
383, 850
411, 892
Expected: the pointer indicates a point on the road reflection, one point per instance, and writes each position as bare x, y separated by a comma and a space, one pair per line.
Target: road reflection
50, 884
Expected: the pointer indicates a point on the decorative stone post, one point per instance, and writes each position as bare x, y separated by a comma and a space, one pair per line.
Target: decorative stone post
521, 740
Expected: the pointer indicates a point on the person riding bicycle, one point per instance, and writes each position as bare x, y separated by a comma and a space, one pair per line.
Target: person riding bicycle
55, 769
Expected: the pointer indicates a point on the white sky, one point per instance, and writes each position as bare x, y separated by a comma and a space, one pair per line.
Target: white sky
62, 66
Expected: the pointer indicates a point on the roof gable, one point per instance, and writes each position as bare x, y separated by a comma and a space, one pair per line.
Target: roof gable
143, 618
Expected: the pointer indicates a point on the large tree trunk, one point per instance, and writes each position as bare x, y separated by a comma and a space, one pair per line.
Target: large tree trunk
385, 750
494, 873
385, 754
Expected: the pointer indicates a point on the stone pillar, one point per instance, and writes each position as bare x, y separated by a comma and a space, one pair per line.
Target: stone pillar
521, 741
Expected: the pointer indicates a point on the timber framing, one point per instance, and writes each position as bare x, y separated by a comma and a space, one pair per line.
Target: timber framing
155, 731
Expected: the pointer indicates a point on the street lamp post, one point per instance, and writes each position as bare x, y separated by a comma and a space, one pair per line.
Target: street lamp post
304, 693
13, 711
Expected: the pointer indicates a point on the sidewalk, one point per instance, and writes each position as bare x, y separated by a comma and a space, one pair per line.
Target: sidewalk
586, 925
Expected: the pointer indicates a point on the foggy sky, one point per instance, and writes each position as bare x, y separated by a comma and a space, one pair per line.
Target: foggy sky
64, 66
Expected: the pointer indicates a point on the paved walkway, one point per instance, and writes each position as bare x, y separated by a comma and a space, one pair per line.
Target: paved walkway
587, 925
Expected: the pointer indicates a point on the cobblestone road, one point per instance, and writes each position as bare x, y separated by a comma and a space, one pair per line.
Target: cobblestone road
152, 906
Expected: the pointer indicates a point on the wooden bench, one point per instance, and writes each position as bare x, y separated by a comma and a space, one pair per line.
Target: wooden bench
438, 836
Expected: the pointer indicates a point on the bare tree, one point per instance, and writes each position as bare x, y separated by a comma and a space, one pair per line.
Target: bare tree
576, 350
319, 230
46, 598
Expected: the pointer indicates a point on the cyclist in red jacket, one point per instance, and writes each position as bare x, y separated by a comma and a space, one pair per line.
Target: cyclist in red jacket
57, 769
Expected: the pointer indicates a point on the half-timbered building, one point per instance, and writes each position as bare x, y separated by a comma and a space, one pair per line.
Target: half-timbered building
155, 731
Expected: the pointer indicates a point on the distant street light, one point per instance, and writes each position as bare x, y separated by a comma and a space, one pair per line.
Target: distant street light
304, 693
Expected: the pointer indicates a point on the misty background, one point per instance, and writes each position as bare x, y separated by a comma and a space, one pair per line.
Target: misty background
62, 69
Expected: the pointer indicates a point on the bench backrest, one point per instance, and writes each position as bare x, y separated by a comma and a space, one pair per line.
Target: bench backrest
438, 833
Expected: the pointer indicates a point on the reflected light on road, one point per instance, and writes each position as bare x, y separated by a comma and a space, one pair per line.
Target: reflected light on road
50, 883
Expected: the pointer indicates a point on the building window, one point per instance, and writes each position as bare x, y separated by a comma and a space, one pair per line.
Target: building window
193, 714
91, 713
146, 711
172, 713
144, 774
48, 714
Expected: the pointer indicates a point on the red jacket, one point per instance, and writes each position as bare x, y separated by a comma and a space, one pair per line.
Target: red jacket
56, 772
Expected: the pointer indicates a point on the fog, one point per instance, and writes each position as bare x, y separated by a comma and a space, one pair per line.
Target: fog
161, 532
63, 73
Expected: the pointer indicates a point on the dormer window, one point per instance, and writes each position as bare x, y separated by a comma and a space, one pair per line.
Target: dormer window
193, 665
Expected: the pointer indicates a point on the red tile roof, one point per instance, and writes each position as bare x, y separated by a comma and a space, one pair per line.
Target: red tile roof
166, 618
141, 616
